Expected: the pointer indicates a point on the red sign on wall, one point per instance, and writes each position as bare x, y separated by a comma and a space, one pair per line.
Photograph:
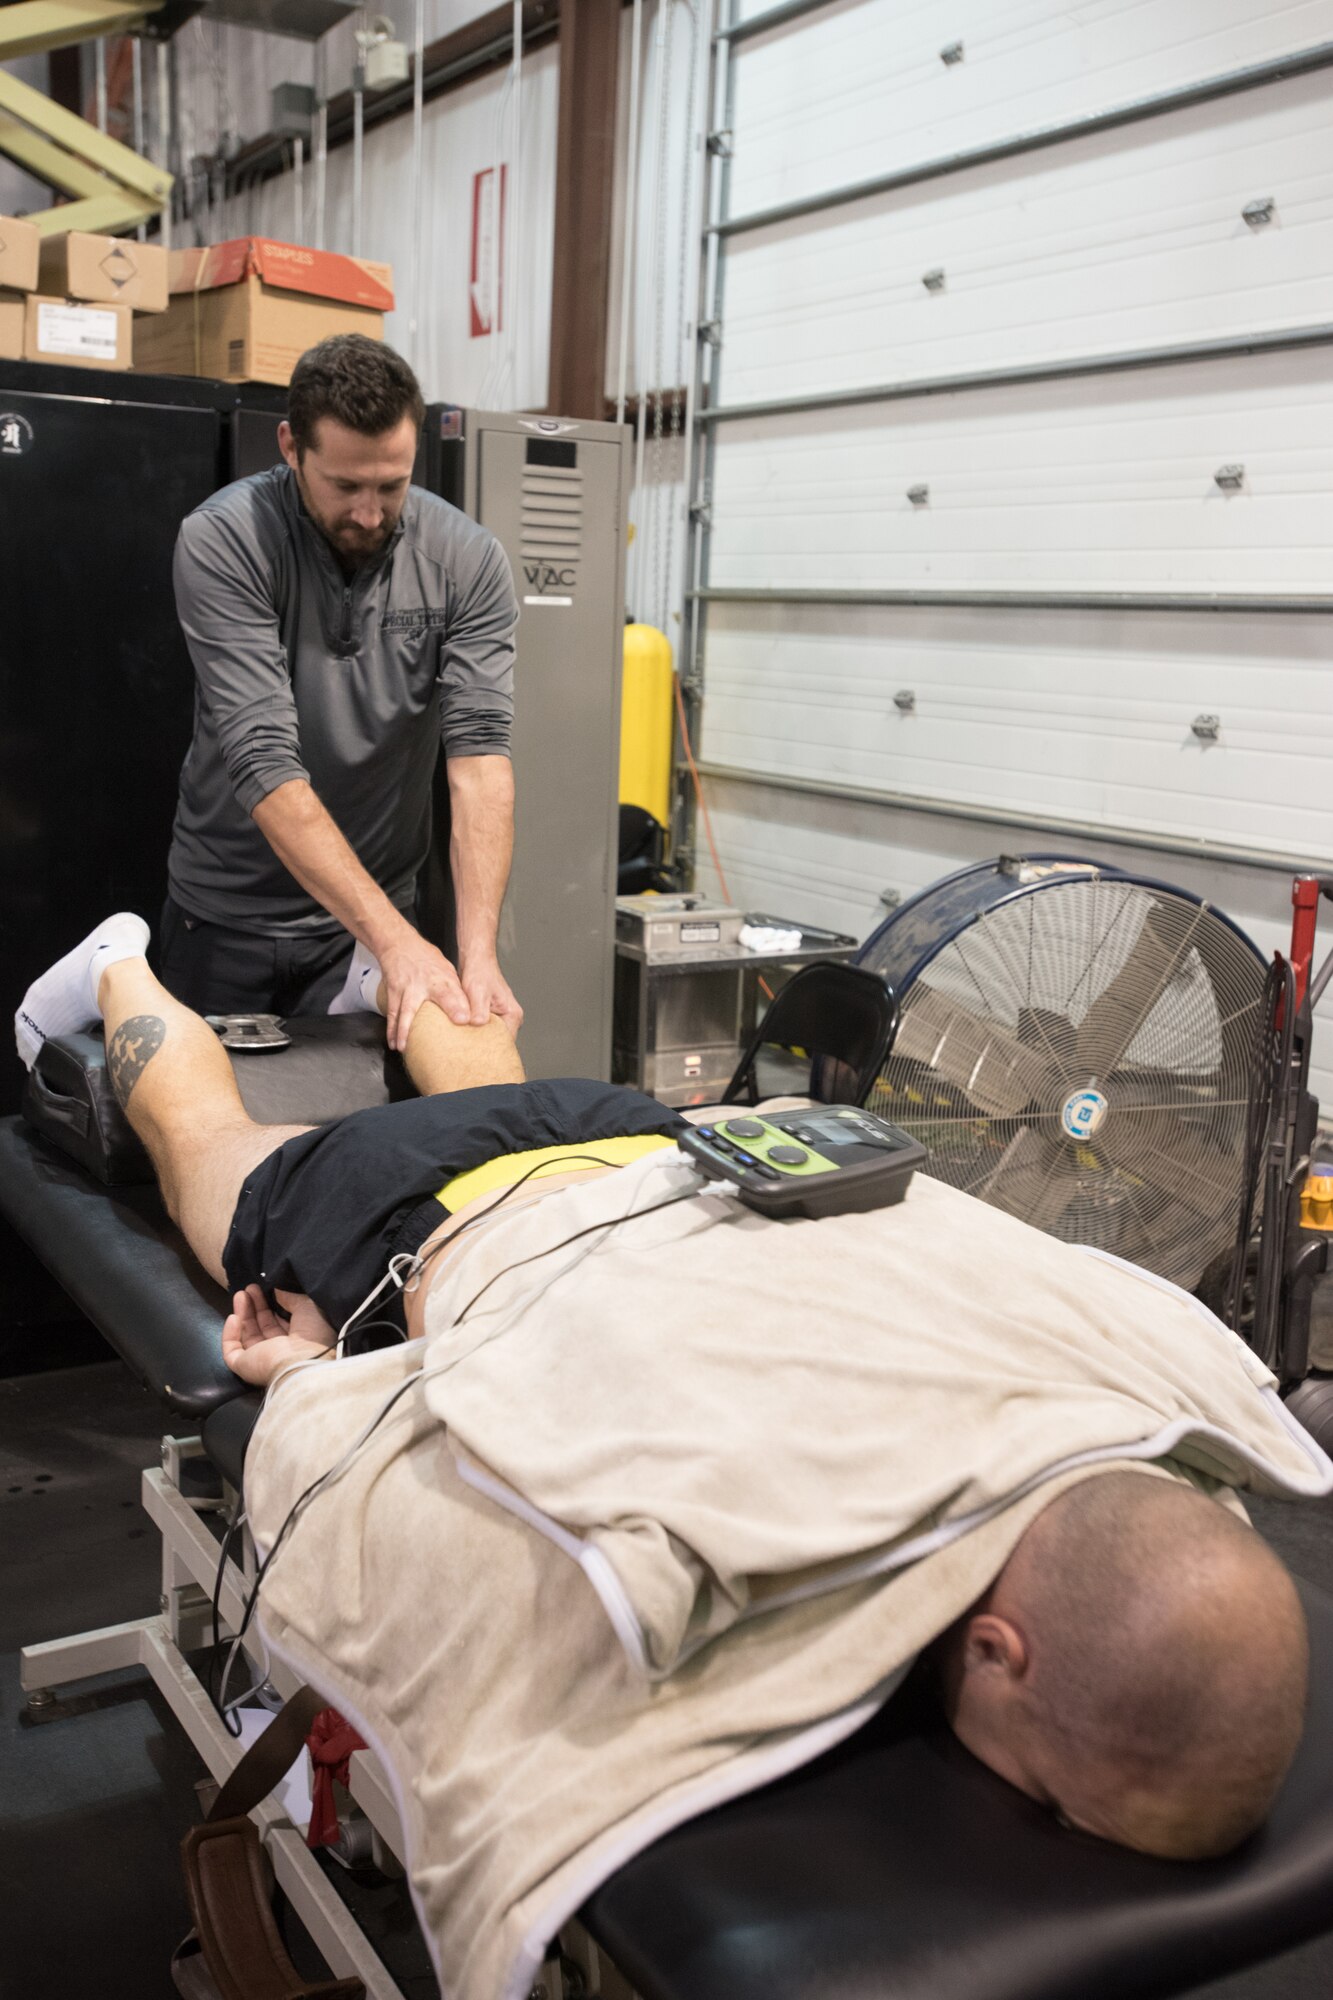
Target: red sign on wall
486, 264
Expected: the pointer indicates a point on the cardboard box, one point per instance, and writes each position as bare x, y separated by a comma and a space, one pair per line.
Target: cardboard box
20, 243
12, 307
75, 333
246, 311
106, 270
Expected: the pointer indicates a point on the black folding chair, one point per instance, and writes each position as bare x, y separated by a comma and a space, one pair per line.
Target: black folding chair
842, 1016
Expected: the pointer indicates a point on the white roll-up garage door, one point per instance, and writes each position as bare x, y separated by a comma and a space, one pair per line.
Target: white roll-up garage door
1017, 467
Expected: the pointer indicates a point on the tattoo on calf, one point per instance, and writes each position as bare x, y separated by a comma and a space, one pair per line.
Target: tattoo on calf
131, 1049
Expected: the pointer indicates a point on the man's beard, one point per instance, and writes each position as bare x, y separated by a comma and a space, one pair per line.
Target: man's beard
352, 544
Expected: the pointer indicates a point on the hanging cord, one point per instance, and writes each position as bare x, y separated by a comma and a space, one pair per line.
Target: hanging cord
702, 804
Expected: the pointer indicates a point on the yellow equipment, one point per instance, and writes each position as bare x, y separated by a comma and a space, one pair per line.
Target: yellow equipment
112, 187
646, 722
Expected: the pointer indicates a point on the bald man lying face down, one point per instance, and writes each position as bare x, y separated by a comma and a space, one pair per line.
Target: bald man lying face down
1139, 1665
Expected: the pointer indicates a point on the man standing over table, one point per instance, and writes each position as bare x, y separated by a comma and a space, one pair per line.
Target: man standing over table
344, 626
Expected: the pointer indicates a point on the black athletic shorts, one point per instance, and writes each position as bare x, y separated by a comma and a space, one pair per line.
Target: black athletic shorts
325, 1212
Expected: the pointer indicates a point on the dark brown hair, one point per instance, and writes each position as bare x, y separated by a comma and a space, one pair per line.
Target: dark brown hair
358, 382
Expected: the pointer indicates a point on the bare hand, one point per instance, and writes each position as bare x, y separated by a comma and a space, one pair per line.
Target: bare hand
488, 993
256, 1344
415, 970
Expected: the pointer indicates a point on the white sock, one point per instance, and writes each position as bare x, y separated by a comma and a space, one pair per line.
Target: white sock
360, 985
65, 998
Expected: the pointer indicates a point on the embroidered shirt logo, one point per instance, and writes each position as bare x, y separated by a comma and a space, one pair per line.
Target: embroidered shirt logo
424, 619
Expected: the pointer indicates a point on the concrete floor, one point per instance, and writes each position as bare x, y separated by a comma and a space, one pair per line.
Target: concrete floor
94, 1798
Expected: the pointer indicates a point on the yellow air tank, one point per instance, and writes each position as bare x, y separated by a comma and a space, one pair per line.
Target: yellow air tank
646, 722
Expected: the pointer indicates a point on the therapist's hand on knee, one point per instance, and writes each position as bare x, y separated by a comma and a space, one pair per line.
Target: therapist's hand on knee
415, 970
257, 1344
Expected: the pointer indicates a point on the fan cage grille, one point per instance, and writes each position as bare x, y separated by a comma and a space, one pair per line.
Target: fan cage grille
1080, 1057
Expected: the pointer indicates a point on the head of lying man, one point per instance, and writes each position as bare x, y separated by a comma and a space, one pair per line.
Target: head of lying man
1139, 1666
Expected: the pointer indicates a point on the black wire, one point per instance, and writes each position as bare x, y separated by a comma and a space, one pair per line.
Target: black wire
215, 1695
633, 1216
592, 1159
412, 1381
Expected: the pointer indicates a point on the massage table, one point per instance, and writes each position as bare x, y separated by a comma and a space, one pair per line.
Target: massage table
894, 1866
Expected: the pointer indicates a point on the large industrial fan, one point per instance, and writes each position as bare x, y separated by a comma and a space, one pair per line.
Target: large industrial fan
1075, 1046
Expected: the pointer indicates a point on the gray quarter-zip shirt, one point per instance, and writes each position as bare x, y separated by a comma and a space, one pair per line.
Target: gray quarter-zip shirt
353, 683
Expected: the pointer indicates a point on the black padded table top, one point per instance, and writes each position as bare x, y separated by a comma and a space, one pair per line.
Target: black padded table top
125, 1266
899, 1868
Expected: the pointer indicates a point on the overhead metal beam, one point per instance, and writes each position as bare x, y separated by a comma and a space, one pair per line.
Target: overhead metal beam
1284, 339
1211, 851
1005, 600
1300, 63
28, 26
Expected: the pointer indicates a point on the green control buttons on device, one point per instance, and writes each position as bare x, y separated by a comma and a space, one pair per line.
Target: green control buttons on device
825, 1160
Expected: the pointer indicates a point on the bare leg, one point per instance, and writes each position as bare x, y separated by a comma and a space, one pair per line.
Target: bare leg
442, 1056
173, 1080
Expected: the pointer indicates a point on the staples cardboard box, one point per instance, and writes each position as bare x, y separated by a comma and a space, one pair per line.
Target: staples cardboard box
106, 270
68, 330
19, 246
246, 311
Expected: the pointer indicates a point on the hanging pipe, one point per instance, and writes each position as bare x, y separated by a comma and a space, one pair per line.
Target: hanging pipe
418, 187
136, 56
321, 168
630, 232
513, 266
99, 58
298, 188
164, 134
358, 152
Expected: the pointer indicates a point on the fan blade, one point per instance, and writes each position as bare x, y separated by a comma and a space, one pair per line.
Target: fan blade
1115, 1016
1034, 1179
1157, 1149
987, 1062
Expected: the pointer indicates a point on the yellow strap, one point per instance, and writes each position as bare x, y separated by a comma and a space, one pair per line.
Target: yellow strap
511, 1167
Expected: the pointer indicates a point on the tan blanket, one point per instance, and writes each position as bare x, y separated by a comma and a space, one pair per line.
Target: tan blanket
530, 1755
720, 1412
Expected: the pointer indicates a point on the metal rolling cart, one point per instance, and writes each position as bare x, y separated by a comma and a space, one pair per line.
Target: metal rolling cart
687, 992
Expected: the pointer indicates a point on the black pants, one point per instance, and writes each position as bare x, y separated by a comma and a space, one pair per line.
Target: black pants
217, 970
326, 1211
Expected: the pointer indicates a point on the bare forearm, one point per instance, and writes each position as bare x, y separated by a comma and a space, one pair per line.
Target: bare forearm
481, 846
310, 846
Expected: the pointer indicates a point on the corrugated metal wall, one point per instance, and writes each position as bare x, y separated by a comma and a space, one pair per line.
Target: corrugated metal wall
1040, 561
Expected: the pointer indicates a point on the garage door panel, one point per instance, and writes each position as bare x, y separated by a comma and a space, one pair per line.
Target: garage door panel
860, 91
1130, 239
1096, 483
1038, 711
